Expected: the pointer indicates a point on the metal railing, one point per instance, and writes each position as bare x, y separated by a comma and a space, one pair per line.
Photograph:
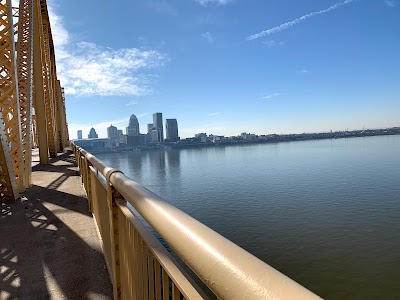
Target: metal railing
142, 268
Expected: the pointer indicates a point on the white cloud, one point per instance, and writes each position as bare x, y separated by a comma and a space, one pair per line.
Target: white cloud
270, 96
213, 114
296, 21
88, 69
391, 3
215, 2
208, 36
61, 37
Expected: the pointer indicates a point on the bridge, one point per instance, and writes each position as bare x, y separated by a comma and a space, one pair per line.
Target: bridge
73, 227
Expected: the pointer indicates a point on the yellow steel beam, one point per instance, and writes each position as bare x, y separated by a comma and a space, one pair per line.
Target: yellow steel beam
9, 103
56, 104
25, 81
40, 127
47, 104
8, 183
48, 89
65, 123
62, 117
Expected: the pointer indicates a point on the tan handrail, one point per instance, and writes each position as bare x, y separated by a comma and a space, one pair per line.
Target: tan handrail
228, 270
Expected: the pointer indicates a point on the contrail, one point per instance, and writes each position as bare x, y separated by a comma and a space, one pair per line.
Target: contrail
270, 96
296, 21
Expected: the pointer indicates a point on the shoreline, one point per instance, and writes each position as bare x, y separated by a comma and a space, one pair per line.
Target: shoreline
272, 139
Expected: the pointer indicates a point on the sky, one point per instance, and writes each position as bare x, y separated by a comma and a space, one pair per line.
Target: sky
229, 66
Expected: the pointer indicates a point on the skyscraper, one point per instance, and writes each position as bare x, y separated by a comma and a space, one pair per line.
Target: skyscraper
158, 126
149, 133
112, 134
133, 128
93, 134
79, 134
171, 130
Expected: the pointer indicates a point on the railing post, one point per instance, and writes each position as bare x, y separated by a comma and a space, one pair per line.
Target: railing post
81, 165
84, 175
112, 197
78, 158
74, 149
89, 185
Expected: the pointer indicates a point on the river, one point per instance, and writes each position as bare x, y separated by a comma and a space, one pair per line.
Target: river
326, 213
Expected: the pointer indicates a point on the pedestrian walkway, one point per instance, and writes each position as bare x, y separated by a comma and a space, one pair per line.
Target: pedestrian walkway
49, 246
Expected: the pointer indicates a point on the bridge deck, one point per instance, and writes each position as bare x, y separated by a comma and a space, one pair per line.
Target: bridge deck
49, 247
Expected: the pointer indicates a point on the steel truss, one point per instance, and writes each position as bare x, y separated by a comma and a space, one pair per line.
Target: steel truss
28, 79
9, 95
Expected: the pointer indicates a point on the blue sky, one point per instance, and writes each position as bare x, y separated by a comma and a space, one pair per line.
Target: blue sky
226, 67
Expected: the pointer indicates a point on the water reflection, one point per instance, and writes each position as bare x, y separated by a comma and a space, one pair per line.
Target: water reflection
135, 164
156, 164
157, 160
174, 160
220, 150
174, 173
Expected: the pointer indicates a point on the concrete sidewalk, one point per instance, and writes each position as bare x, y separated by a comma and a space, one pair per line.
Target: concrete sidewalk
49, 247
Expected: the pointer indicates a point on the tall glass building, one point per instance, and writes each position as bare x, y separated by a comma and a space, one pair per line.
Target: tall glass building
133, 128
158, 136
171, 128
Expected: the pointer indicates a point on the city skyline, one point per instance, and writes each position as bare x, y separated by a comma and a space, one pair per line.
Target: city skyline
150, 127
231, 66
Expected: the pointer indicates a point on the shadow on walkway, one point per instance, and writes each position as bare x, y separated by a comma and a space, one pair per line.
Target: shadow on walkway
49, 247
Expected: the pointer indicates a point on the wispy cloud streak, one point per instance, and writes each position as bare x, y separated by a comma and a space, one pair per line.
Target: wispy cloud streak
286, 25
390, 3
269, 96
216, 2
131, 103
213, 114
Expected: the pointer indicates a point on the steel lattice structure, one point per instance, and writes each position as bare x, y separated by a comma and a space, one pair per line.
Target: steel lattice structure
25, 77
28, 79
9, 95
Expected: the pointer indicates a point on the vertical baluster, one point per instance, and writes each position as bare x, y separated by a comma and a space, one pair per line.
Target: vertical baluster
140, 267
158, 280
151, 276
144, 273
136, 263
89, 185
129, 257
165, 285
122, 250
176, 294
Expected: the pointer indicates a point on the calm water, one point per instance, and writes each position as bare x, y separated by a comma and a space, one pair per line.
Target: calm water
326, 213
